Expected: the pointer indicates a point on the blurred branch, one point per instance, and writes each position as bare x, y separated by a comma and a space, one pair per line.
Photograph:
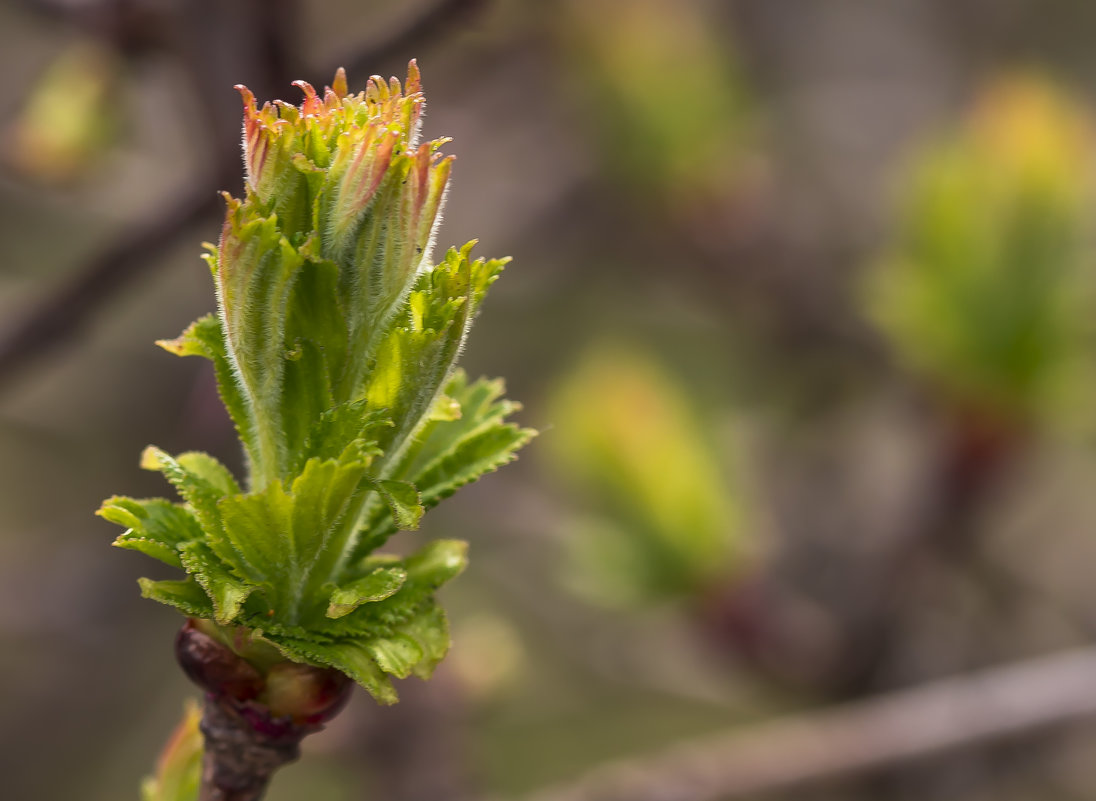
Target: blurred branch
430, 25
59, 316
844, 742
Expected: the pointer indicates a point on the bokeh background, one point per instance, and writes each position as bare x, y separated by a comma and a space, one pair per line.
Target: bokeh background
802, 303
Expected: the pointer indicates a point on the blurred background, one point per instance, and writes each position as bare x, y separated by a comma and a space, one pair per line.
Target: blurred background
802, 302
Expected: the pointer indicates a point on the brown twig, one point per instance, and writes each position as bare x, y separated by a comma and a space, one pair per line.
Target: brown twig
398, 46
60, 315
852, 740
238, 761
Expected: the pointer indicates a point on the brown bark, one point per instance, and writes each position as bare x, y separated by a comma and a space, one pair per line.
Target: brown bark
239, 758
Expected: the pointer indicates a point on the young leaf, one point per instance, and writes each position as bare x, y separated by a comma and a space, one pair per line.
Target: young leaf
201, 495
186, 596
226, 591
352, 657
205, 337
416, 359
404, 502
381, 583
255, 267
154, 526
467, 441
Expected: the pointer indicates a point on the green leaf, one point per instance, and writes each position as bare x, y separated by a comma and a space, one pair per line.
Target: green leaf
397, 654
292, 543
404, 502
186, 596
427, 569
449, 453
345, 423
351, 657
195, 489
154, 527
464, 409
258, 527
210, 470
436, 563
453, 450
430, 629
416, 359
480, 453
255, 267
226, 591
413, 644
381, 583
205, 338
316, 339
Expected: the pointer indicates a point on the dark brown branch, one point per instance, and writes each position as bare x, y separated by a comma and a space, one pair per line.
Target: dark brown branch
849, 741
238, 761
430, 25
62, 313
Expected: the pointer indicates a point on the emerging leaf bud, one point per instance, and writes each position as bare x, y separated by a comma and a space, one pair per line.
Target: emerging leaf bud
334, 348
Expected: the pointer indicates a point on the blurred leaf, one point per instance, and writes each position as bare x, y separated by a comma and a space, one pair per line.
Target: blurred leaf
179, 769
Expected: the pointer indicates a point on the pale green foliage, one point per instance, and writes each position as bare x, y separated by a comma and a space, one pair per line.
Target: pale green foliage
71, 116
664, 84
669, 521
333, 347
984, 292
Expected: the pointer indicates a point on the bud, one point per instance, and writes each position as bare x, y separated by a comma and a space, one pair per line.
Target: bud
334, 347
214, 666
279, 695
70, 117
309, 695
339, 215
986, 292
341, 163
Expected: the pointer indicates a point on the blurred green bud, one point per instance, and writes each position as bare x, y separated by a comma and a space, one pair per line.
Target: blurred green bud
667, 521
983, 291
70, 116
665, 91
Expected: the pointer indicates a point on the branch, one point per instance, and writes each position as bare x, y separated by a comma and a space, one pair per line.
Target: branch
60, 315
840, 743
237, 760
430, 25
